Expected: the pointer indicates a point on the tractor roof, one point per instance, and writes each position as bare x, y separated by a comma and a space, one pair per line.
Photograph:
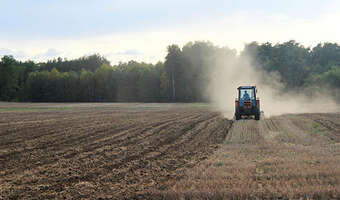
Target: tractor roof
246, 87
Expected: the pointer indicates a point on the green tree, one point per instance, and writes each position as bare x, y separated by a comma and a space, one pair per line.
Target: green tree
105, 84
8, 80
172, 65
324, 56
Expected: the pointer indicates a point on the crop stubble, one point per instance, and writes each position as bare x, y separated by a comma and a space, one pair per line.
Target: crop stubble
286, 157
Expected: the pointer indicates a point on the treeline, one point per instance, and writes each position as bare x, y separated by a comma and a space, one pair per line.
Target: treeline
183, 77
298, 66
126, 82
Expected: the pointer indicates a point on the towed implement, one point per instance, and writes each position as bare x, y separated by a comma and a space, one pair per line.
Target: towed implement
247, 104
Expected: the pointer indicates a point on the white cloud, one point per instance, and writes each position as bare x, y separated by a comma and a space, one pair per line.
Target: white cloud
5, 51
150, 46
16, 54
51, 53
48, 54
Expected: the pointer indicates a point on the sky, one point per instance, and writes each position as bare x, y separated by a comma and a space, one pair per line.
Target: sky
123, 30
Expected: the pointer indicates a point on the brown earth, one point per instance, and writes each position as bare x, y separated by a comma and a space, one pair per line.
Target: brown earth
108, 151
164, 151
283, 157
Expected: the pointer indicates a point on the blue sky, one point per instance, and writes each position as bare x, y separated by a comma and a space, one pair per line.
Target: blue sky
129, 29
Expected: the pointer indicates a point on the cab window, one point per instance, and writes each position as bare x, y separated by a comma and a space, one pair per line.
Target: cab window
247, 94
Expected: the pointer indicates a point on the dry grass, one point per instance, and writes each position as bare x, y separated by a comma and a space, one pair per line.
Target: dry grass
289, 157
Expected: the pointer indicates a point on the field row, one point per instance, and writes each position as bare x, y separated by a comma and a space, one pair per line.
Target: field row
102, 152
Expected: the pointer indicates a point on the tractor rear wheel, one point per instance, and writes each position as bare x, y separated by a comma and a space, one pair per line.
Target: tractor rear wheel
257, 115
237, 115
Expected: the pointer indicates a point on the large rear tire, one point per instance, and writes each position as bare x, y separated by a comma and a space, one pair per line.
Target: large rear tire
257, 115
237, 115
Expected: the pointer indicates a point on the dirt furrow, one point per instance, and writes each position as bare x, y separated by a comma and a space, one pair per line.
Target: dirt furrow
107, 152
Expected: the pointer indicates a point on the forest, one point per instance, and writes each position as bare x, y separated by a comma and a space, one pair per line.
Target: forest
182, 77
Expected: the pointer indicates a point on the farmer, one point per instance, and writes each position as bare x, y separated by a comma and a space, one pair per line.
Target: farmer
246, 96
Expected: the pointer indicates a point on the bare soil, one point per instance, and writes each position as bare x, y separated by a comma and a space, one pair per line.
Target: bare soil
107, 151
164, 151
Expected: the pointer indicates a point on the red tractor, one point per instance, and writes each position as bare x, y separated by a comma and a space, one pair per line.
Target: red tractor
247, 104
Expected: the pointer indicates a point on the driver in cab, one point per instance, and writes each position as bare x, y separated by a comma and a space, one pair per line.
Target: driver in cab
246, 96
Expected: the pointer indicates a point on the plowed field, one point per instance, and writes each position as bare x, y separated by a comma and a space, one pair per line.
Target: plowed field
56, 151
164, 151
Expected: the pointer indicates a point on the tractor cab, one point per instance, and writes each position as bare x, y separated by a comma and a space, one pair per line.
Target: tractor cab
247, 94
247, 104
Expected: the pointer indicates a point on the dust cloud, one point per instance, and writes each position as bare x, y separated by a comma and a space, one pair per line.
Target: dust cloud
229, 74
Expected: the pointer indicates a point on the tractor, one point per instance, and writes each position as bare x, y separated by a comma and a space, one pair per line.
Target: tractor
247, 104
